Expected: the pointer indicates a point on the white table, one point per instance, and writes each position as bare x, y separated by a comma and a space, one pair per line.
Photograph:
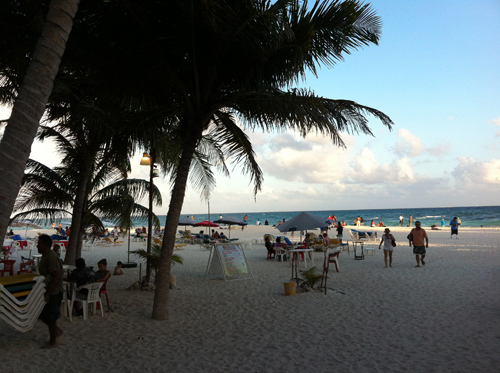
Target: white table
294, 253
298, 251
36, 258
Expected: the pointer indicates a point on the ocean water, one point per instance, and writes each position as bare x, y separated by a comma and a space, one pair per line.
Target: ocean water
486, 216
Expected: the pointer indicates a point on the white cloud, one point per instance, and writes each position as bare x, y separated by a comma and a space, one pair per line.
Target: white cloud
439, 149
311, 160
496, 121
471, 171
409, 144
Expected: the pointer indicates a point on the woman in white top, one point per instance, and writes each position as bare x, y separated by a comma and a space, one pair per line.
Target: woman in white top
387, 240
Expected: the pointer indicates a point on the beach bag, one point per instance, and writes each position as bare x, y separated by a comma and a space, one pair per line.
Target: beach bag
393, 241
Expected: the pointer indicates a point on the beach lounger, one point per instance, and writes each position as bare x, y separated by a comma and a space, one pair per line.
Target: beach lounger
21, 300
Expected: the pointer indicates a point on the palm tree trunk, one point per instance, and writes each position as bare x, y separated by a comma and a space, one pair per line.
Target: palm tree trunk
79, 242
30, 103
160, 304
81, 196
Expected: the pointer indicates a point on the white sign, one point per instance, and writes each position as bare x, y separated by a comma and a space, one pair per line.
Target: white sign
230, 261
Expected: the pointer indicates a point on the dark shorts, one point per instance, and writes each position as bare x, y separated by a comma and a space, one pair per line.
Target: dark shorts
454, 231
419, 250
51, 311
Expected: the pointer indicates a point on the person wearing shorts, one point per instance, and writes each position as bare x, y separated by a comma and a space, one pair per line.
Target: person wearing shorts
51, 268
387, 239
454, 227
418, 238
340, 231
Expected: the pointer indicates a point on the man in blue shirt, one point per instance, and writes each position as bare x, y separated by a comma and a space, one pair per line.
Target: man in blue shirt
454, 227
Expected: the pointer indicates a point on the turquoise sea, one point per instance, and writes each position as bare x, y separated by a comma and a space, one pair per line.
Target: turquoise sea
485, 216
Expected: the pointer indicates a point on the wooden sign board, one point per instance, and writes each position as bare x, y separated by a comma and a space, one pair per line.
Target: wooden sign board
228, 260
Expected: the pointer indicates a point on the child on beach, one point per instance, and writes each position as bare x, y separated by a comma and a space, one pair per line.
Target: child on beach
118, 269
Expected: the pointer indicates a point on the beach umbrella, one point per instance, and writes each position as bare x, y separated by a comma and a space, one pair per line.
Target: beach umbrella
303, 222
24, 224
230, 220
185, 221
205, 223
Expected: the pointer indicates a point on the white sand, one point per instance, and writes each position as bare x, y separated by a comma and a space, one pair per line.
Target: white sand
443, 317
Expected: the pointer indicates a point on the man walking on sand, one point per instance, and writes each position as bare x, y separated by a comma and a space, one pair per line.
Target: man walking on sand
417, 237
454, 227
51, 268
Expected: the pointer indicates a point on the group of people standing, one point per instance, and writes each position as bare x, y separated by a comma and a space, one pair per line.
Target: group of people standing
401, 220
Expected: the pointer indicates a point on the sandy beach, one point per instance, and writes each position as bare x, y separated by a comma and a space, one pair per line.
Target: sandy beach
443, 317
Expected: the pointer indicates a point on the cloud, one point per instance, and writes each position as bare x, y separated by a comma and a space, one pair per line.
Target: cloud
496, 121
439, 149
366, 170
471, 171
310, 160
409, 144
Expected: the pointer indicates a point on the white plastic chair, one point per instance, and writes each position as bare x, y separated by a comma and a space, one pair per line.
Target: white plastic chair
92, 299
280, 253
31, 245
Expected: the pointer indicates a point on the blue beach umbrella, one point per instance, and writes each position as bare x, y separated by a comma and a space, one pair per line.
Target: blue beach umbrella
303, 222
185, 221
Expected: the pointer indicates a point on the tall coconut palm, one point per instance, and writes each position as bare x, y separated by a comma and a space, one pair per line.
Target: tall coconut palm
30, 103
230, 66
49, 193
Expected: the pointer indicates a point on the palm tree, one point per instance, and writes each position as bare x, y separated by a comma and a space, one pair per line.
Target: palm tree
30, 103
154, 257
230, 66
49, 193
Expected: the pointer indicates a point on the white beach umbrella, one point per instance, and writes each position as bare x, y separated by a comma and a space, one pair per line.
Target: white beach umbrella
24, 223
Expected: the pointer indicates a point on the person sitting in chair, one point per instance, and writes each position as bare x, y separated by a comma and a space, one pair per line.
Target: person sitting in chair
279, 243
326, 240
269, 246
83, 275
102, 275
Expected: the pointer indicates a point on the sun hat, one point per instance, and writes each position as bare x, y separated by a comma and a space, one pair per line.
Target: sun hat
387, 230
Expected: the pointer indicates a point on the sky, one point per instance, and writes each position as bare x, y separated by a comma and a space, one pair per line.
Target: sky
435, 73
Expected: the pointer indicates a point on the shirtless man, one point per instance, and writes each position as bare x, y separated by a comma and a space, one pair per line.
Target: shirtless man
417, 237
